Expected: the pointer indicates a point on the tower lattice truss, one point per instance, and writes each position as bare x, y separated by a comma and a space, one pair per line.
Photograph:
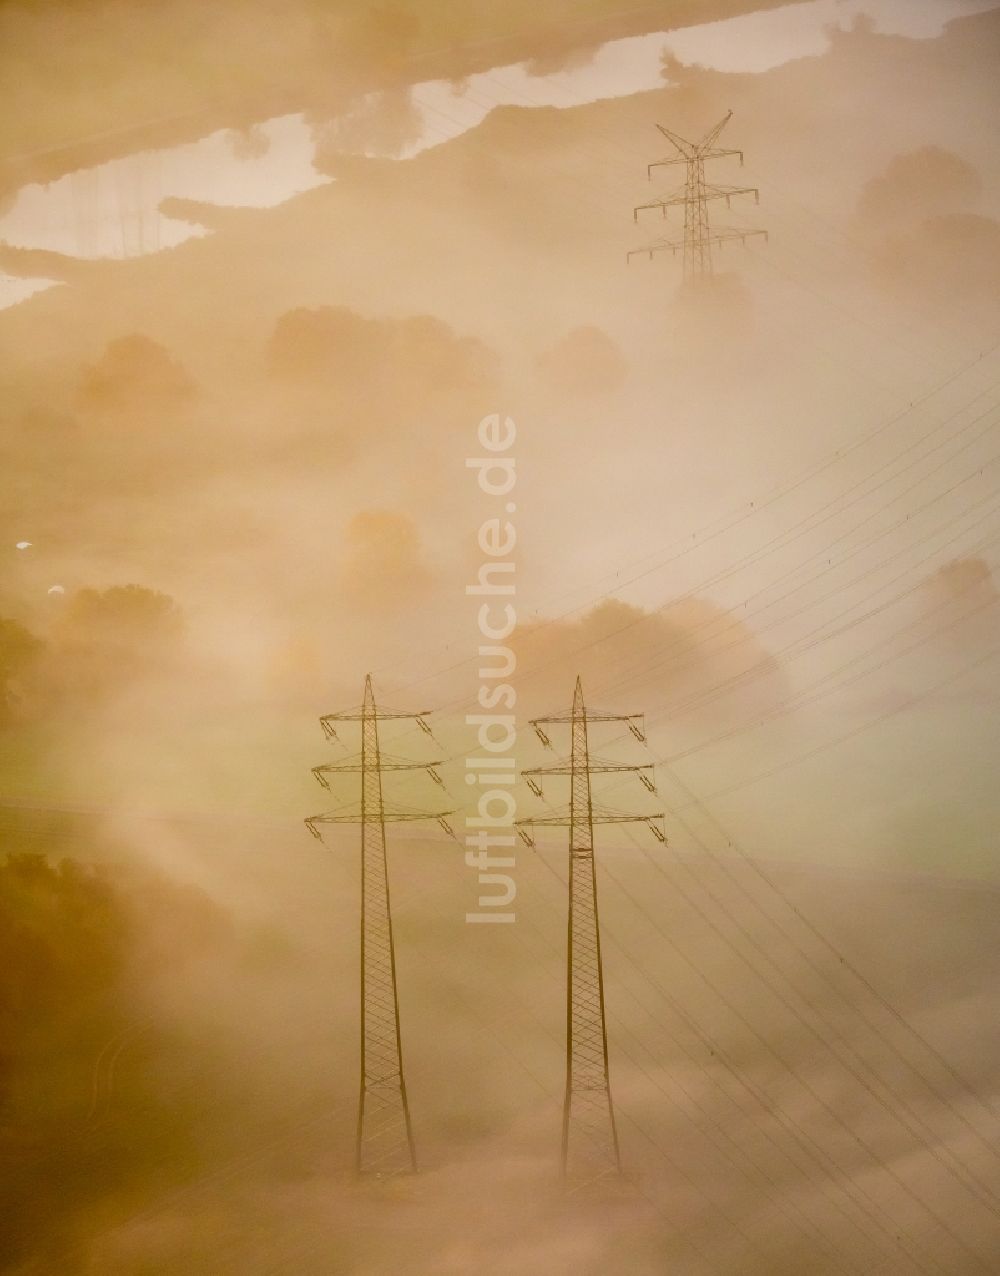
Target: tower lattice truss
385, 1143
694, 197
590, 1148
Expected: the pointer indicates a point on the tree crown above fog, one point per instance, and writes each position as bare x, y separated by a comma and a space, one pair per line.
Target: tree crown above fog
134, 374
929, 181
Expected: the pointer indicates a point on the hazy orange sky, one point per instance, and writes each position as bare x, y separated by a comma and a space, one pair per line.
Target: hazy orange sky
263, 271
807, 447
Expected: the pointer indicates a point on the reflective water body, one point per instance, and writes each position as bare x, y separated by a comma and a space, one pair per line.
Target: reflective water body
113, 210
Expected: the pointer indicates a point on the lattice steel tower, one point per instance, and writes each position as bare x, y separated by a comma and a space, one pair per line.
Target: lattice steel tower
384, 1135
589, 1137
694, 196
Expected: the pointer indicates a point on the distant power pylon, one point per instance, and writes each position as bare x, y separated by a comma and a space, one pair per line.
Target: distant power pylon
384, 1136
695, 195
589, 1138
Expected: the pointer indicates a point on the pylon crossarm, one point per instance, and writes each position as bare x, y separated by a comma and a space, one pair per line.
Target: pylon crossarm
557, 820
348, 715
670, 202
609, 764
711, 192
726, 236
566, 768
313, 822
653, 821
349, 813
557, 768
660, 246
716, 153
663, 163
383, 715
629, 718
610, 817
727, 192
592, 716
644, 770
356, 764
401, 816
356, 817
613, 817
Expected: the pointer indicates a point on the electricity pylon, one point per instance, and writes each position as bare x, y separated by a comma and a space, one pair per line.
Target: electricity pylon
695, 195
384, 1136
589, 1136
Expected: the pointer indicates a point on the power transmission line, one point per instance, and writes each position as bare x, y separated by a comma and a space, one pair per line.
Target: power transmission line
804, 525
816, 1152
843, 961
710, 1127
802, 646
905, 704
809, 523
820, 633
840, 1050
